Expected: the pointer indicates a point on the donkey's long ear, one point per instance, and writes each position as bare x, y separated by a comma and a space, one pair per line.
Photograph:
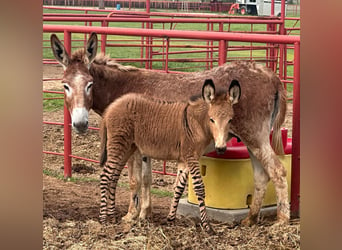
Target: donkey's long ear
234, 91
59, 51
91, 48
208, 90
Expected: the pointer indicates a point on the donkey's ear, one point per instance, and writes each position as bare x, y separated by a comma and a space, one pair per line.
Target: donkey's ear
208, 90
91, 48
59, 51
234, 91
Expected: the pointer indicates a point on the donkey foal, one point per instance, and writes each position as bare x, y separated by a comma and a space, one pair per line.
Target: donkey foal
167, 131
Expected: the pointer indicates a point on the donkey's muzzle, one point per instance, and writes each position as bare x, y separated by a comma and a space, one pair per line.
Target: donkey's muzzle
80, 127
220, 151
79, 117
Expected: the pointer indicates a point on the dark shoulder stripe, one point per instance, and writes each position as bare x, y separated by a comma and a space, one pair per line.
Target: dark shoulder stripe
186, 122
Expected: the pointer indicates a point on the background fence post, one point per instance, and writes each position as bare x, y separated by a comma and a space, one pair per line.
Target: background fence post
67, 120
295, 171
104, 38
222, 56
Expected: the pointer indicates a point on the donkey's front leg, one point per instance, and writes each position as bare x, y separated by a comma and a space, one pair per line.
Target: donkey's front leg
134, 175
180, 183
200, 193
109, 178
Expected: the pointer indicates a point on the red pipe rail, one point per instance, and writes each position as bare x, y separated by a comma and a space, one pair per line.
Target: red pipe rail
222, 38
104, 20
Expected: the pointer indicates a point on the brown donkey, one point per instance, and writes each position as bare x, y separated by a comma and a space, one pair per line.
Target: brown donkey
93, 82
166, 131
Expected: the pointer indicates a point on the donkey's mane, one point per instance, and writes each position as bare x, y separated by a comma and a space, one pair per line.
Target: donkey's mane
79, 56
102, 59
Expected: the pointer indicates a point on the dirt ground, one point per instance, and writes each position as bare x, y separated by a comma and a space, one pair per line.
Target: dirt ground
71, 208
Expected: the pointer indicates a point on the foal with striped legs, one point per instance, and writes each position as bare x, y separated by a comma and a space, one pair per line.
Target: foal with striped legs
164, 130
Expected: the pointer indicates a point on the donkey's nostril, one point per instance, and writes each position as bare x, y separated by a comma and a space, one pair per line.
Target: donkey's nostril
80, 127
221, 151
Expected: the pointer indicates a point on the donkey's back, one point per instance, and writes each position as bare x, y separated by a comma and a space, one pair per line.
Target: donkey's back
149, 124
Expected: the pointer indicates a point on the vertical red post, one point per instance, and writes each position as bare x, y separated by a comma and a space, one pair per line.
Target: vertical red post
282, 14
272, 7
283, 48
167, 55
67, 120
148, 6
142, 45
207, 53
222, 57
295, 170
104, 38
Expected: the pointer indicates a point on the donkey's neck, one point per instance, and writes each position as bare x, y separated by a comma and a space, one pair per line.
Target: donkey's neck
109, 84
198, 114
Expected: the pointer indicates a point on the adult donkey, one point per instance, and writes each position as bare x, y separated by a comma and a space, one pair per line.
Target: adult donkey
93, 82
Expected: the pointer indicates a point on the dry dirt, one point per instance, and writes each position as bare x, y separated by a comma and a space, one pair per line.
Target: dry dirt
71, 208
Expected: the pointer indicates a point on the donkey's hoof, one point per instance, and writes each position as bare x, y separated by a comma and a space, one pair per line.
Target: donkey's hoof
249, 221
128, 218
170, 217
210, 230
283, 218
145, 214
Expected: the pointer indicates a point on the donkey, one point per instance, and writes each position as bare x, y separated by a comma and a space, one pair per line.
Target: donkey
167, 131
93, 81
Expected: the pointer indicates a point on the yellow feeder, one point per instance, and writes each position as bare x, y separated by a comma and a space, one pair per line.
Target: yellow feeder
229, 182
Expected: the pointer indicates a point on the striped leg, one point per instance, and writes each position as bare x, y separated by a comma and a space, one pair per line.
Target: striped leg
117, 156
200, 193
182, 178
109, 178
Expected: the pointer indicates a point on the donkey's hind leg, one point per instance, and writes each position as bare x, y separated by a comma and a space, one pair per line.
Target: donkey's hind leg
117, 156
261, 179
275, 170
146, 204
134, 175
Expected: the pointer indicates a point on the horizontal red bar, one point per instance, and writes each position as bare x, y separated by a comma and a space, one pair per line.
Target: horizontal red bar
207, 35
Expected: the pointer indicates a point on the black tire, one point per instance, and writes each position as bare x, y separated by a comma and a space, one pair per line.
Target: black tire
243, 10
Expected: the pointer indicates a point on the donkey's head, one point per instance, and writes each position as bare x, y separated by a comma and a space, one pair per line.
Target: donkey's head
77, 80
220, 111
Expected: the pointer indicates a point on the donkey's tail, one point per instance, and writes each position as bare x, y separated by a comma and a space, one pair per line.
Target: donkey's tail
103, 145
279, 113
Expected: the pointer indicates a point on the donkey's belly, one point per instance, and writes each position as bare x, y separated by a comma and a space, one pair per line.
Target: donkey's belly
160, 153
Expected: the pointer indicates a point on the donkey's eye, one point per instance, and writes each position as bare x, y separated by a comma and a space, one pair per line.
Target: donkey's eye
90, 84
212, 120
230, 121
66, 87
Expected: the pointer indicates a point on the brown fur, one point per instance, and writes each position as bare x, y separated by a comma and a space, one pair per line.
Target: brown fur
164, 130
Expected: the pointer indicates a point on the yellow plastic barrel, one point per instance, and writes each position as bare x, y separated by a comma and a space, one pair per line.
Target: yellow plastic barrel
228, 180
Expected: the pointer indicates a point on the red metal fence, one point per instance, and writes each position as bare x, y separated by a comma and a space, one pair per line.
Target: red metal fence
155, 49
